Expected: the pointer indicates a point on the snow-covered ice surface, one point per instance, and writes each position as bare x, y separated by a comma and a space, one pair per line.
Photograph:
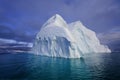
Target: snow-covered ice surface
59, 39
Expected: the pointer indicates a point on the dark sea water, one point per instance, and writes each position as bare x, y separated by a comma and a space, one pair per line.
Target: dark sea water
24, 66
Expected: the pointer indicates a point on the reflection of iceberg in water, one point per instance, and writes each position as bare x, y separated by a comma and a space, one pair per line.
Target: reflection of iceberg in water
54, 68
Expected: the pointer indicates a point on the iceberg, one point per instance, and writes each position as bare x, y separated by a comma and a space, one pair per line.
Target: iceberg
56, 38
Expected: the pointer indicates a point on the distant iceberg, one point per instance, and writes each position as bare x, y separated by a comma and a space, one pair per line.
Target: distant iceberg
59, 39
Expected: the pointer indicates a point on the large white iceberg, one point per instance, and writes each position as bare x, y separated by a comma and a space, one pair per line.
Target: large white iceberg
59, 39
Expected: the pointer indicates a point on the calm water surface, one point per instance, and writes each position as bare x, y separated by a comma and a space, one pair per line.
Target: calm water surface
25, 66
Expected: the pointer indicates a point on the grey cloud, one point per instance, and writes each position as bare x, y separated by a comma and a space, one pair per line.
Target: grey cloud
110, 36
7, 42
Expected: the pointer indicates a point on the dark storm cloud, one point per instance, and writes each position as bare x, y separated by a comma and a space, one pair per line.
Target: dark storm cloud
22, 19
8, 33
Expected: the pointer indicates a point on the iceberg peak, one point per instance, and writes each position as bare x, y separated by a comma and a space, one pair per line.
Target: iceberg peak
76, 24
55, 27
57, 16
55, 20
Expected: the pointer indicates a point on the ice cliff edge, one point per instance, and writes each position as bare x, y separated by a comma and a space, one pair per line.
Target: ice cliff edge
59, 39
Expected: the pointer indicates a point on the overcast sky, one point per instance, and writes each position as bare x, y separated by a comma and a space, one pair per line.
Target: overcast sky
22, 19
